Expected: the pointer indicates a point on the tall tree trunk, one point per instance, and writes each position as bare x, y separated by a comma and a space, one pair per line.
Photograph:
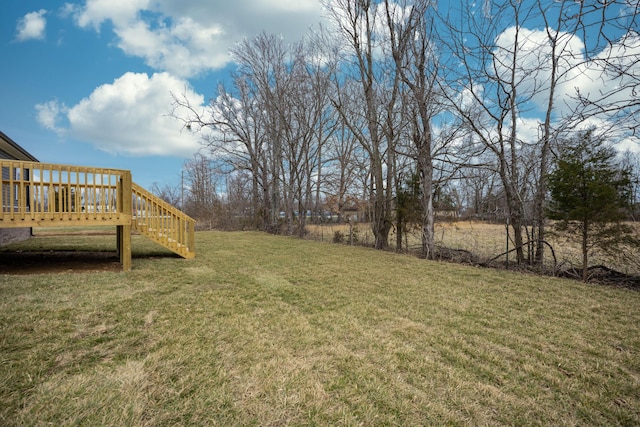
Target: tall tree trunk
400, 220
585, 250
428, 233
516, 219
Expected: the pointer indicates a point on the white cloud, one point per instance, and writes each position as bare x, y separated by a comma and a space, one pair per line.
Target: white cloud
288, 5
185, 49
128, 117
32, 26
120, 12
533, 61
49, 115
188, 37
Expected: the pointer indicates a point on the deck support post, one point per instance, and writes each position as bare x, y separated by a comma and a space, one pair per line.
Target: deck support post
124, 246
124, 231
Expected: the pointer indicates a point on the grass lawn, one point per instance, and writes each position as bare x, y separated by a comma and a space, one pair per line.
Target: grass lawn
263, 330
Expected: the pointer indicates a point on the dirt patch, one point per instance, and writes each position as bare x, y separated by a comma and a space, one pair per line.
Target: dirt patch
44, 262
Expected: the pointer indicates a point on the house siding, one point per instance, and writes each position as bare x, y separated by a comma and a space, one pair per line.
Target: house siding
10, 150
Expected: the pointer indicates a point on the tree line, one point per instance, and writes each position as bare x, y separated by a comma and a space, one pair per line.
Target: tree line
405, 108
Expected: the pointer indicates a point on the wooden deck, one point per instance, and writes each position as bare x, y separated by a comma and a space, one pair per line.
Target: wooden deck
44, 195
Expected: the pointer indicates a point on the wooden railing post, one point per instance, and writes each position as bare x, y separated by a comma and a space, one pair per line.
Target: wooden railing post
124, 231
191, 235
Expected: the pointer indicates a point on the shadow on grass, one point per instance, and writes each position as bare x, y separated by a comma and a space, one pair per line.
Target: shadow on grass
25, 262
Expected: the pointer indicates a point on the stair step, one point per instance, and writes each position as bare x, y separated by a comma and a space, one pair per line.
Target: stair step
166, 240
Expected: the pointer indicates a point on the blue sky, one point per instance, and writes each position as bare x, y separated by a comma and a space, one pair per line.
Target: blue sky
88, 82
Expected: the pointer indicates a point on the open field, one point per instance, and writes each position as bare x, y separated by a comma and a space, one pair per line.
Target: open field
487, 240
264, 330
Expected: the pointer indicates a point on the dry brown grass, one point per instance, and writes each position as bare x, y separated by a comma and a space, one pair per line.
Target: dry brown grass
487, 240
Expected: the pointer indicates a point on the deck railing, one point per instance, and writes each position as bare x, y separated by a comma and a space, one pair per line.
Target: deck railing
43, 194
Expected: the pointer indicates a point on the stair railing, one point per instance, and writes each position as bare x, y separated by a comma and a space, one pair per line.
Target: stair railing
162, 222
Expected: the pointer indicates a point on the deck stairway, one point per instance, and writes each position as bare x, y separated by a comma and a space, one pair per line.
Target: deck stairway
51, 195
162, 223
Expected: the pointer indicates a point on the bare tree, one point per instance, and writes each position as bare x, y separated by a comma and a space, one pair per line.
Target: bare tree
416, 63
169, 193
307, 124
238, 209
342, 167
200, 179
483, 90
234, 132
372, 122
262, 62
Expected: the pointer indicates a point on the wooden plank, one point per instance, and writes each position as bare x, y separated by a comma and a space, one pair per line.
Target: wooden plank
58, 221
124, 200
123, 233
